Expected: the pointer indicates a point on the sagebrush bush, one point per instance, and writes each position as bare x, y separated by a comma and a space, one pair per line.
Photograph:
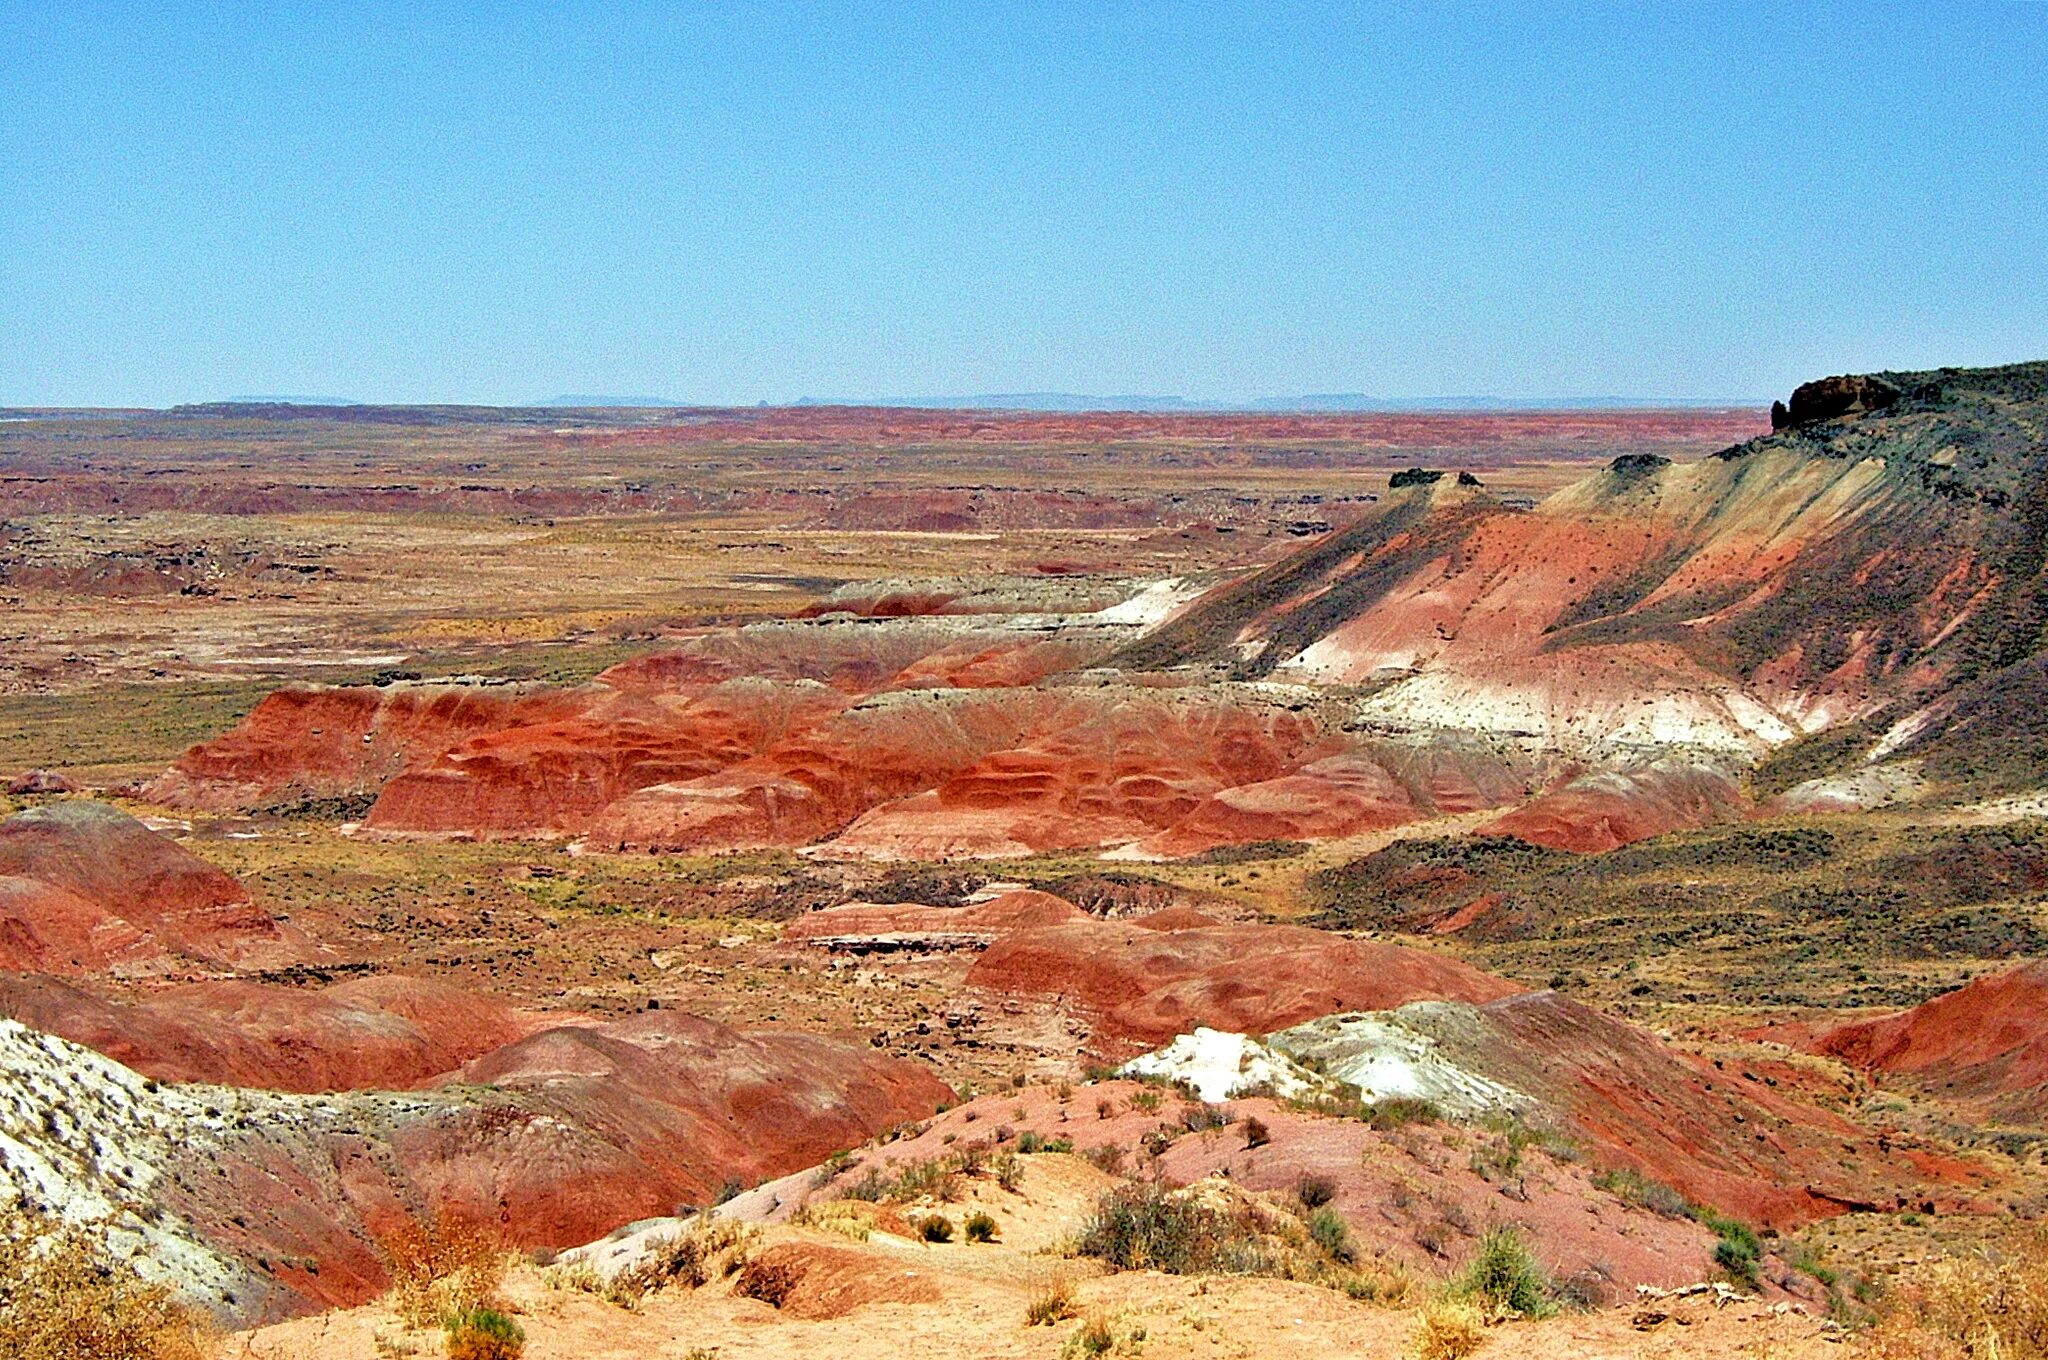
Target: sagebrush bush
484, 1334
1054, 1303
444, 1265
1447, 1330
981, 1228
61, 1298
1503, 1277
1144, 1226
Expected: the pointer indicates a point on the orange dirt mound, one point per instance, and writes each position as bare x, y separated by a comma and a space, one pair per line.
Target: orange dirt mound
1986, 1043
85, 887
1602, 811
378, 1032
316, 742
1140, 987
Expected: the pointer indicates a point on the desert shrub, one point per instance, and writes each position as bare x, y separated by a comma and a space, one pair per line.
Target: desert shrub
1108, 1157
678, 1259
1009, 1171
769, 1279
1991, 1303
1315, 1191
1633, 1187
1503, 1277
1200, 1116
1256, 1134
1327, 1229
1031, 1141
1447, 1330
1398, 1111
1148, 1101
1740, 1252
442, 1267
981, 1228
62, 1299
1148, 1227
848, 1218
935, 1228
1054, 1303
1093, 1337
484, 1334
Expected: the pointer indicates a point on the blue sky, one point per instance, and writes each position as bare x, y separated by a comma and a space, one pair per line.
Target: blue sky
763, 202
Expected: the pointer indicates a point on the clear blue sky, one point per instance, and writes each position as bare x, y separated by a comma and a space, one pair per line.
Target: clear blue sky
739, 202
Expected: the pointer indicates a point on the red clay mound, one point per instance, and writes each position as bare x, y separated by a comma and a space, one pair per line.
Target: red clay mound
308, 742
882, 749
552, 778
368, 1033
1722, 1138
1601, 811
1377, 786
553, 1140
909, 924
630, 1119
1986, 1043
1140, 987
85, 887
1105, 774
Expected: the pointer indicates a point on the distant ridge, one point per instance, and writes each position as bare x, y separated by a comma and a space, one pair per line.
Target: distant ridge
637, 403
1321, 402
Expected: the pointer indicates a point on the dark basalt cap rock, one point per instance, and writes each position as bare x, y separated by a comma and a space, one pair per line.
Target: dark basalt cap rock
1414, 477
1637, 464
1828, 398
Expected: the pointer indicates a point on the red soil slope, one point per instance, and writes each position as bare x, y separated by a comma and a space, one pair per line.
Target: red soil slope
367, 1033
85, 887
1600, 811
306, 742
1139, 987
1985, 1044
1722, 1138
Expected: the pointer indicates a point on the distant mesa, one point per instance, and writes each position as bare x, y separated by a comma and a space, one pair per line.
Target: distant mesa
1638, 464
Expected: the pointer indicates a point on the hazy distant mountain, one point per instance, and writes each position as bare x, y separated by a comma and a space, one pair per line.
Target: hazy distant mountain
587, 400
289, 401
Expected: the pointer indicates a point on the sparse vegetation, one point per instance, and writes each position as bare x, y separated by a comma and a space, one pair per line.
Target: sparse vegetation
980, 1227
444, 1267
484, 1334
1447, 1329
1991, 1304
1504, 1279
61, 1298
1053, 1303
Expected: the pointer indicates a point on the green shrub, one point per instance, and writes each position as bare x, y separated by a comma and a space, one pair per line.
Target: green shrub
1144, 1226
935, 1228
484, 1334
981, 1228
1327, 1229
1504, 1277
1740, 1252
1315, 1191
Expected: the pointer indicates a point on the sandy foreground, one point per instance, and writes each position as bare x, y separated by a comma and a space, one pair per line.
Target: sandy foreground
889, 1297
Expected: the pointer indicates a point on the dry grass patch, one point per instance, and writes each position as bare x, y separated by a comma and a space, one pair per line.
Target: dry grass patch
1991, 1304
445, 1267
61, 1298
